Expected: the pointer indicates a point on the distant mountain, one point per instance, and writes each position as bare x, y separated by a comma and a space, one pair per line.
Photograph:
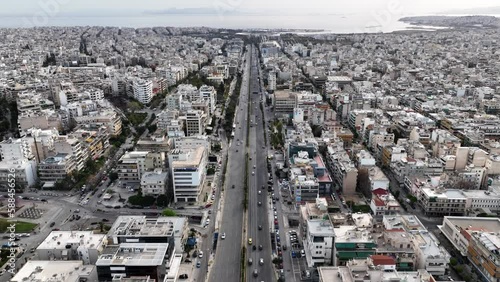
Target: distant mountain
450, 21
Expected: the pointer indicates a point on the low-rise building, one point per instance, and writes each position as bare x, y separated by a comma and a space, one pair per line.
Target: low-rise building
55, 271
72, 245
352, 242
154, 183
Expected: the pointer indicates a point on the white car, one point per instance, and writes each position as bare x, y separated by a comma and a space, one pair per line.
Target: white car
200, 254
223, 236
260, 192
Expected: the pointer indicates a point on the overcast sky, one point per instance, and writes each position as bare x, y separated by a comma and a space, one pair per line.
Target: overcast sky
407, 7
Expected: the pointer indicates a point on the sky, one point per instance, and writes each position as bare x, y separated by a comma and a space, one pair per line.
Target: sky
101, 7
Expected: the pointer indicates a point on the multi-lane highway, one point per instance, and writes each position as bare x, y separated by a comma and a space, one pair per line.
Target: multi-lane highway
258, 202
228, 254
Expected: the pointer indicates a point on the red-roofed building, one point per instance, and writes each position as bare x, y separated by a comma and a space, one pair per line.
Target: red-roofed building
383, 203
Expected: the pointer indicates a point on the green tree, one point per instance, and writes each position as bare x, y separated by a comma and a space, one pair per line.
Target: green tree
168, 212
453, 261
162, 201
113, 176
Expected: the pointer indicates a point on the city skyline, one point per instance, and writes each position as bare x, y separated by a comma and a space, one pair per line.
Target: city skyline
114, 7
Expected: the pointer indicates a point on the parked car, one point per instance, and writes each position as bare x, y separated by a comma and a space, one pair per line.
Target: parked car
183, 276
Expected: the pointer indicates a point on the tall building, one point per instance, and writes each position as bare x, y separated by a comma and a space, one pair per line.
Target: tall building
56, 168
209, 94
143, 91
188, 169
195, 123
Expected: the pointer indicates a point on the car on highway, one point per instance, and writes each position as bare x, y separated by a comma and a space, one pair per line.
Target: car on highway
260, 247
253, 172
260, 227
250, 261
261, 261
255, 273
250, 241
223, 236
260, 192
259, 203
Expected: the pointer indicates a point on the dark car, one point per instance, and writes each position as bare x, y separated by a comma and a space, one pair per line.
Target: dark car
260, 247
52, 224
260, 227
43, 200
183, 276
105, 220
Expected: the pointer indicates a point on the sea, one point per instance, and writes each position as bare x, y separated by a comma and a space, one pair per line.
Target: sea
329, 23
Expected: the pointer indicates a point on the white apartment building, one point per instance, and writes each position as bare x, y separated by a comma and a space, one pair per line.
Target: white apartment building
378, 179
24, 170
209, 94
429, 254
188, 170
143, 90
72, 245
131, 166
15, 149
154, 183
319, 244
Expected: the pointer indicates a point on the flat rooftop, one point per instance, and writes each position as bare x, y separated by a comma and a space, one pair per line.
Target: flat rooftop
143, 226
405, 222
486, 224
59, 239
134, 254
193, 160
53, 271
351, 233
363, 220
320, 227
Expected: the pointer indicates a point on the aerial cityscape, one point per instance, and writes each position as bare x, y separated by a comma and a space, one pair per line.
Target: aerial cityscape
249, 149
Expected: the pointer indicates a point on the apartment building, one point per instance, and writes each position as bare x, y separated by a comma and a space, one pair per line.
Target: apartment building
56, 168
130, 166
284, 102
188, 170
353, 242
25, 172
84, 246
108, 118
154, 183
483, 253
458, 230
195, 123
383, 202
143, 90
73, 147
208, 93
378, 179
319, 243
343, 170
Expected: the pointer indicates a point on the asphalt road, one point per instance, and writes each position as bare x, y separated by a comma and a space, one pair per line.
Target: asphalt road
227, 257
258, 214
